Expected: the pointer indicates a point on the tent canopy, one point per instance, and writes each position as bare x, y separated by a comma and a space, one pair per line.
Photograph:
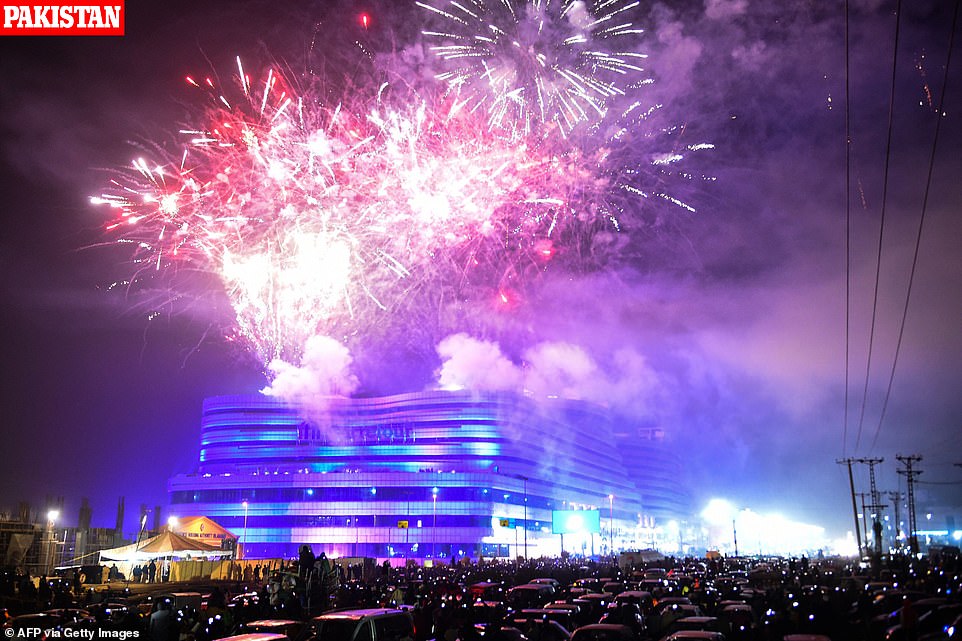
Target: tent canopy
165, 544
201, 528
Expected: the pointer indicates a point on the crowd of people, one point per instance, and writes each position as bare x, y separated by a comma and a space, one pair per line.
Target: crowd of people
838, 598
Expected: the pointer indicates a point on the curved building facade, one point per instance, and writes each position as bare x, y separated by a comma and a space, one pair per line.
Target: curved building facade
424, 475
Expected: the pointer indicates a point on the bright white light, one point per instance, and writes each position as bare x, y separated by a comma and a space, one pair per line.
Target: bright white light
718, 512
766, 533
172, 522
53, 515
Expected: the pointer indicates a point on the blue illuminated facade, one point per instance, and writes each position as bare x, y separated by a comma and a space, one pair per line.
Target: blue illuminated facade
424, 475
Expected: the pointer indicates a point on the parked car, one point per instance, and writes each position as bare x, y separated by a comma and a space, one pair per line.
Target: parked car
529, 595
255, 636
540, 629
603, 632
292, 630
374, 624
689, 635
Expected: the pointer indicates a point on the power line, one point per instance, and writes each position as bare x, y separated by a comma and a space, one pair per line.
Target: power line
918, 237
848, 251
881, 230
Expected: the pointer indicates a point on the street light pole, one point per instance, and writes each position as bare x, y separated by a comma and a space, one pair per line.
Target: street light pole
52, 517
611, 524
434, 526
373, 526
524, 486
244, 535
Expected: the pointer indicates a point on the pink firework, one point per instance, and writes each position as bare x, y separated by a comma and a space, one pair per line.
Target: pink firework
322, 219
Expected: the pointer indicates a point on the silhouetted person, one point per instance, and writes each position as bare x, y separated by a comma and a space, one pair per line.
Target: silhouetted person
162, 625
151, 571
305, 561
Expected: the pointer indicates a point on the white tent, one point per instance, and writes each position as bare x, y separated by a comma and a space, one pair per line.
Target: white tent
165, 545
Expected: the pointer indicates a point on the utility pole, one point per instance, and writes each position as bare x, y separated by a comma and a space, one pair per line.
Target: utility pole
895, 497
877, 506
861, 497
851, 484
910, 474
735, 537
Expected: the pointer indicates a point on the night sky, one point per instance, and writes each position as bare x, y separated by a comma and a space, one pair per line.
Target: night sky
725, 327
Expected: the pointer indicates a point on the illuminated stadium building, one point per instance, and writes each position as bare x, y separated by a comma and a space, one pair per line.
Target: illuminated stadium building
427, 474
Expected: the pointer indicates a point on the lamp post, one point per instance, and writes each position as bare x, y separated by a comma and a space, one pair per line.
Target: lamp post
52, 516
373, 522
524, 487
611, 524
244, 534
434, 526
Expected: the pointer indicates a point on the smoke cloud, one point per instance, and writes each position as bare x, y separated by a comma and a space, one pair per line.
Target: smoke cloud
470, 363
624, 381
325, 371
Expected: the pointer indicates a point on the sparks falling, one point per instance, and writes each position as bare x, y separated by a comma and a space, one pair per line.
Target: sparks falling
317, 217
538, 64
329, 217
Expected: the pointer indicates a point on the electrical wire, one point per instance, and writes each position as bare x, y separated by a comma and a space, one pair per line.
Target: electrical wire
848, 227
881, 231
918, 237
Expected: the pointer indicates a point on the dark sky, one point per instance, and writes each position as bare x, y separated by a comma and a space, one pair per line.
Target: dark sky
737, 312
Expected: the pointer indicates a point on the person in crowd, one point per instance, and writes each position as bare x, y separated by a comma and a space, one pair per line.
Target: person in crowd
305, 561
162, 625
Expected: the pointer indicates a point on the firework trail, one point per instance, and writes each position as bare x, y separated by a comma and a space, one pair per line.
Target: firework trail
318, 217
358, 216
567, 73
263, 196
537, 65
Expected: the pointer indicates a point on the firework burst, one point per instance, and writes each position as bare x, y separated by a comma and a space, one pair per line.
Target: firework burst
319, 218
354, 217
537, 65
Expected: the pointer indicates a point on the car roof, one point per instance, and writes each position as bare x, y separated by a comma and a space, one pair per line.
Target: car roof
605, 626
531, 586
357, 614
